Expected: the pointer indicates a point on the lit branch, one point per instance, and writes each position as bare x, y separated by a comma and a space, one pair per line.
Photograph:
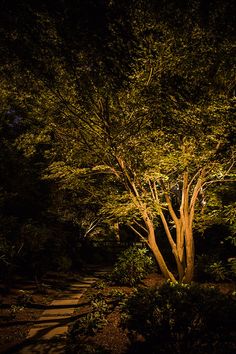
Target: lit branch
151, 190
169, 204
92, 226
231, 166
141, 226
150, 76
167, 230
138, 233
190, 183
217, 181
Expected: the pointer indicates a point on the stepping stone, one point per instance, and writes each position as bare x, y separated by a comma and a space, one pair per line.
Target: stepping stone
72, 296
44, 347
64, 302
90, 280
35, 332
51, 318
46, 325
100, 273
40, 326
58, 331
78, 286
78, 292
47, 330
63, 311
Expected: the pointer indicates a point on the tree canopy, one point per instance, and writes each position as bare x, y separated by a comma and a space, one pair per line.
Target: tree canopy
136, 119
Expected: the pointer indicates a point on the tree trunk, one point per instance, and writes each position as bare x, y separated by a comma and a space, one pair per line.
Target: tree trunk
190, 255
116, 228
155, 249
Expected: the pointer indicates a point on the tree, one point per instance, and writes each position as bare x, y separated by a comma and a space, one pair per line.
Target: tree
144, 150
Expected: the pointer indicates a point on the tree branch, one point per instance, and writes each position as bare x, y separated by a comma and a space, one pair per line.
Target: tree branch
149, 76
141, 226
167, 230
217, 181
138, 233
151, 190
92, 226
169, 204
196, 191
190, 183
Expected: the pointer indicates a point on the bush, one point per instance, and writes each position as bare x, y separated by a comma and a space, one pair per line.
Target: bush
210, 269
182, 319
132, 265
94, 320
86, 348
217, 271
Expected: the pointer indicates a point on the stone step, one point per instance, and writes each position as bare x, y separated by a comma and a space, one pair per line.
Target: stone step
44, 347
100, 273
51, 323
52, 318
64, 302
47, 333
58, 331
71, 296
78, 286
90, 279
58, 311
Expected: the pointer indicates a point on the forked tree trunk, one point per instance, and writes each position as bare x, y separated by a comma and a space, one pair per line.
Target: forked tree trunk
184, 257
182, 244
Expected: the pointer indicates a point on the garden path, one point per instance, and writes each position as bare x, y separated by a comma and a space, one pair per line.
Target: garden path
48, 334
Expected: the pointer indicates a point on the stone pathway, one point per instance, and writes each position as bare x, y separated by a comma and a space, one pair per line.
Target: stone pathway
48, 334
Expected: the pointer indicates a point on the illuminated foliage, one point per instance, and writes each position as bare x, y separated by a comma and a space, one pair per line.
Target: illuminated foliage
145, 145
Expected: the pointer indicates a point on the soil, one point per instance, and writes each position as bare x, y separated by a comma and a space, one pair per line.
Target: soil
26, 301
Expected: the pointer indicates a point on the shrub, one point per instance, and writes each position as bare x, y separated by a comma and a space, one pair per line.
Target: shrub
94, 320
211, 269
117, 295
182, 319
132, 265
90, 324
100, 285
216, 271
85, 348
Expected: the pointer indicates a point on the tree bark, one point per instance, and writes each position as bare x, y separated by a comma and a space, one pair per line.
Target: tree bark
155, 249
